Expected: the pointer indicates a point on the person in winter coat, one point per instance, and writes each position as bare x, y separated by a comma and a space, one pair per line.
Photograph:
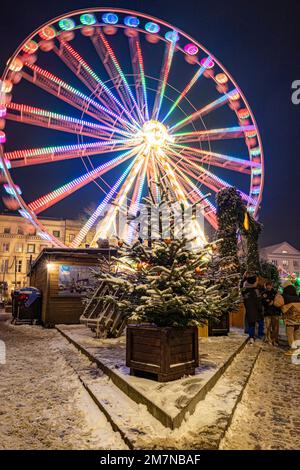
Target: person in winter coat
252, 304
289, 293
291, 299
260, 317
243, 280
271, 314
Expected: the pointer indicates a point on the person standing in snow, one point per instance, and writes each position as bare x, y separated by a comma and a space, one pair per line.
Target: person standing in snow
252, 304
271, 314
291, 302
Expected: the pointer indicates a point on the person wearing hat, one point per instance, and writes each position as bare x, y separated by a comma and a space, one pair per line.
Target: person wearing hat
291, 304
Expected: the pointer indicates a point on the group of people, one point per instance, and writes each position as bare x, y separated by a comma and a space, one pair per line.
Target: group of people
264, 306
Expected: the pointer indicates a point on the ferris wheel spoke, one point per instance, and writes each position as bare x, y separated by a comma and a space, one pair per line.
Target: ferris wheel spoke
164, 75
178, 190
139, 75
183, 171
65, 92
195, 195
44, 118
206, 177
115, 72
191, 83
52, 198
203, 111
75, 62
161, 178
206, 207
103, 205
166, 167
216, 159
153, 178
21, 158
136, 199
105, 225
235, 132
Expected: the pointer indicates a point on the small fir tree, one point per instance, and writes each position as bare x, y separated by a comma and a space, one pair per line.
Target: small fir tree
270, 272
166, 284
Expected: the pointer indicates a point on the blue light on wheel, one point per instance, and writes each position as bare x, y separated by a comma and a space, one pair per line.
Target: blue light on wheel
131, 21
110, 18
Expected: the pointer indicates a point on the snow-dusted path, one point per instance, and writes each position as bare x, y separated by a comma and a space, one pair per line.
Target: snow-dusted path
268, 416
42, 402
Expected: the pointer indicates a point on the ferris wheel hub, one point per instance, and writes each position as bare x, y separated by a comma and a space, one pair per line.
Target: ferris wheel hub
155, 134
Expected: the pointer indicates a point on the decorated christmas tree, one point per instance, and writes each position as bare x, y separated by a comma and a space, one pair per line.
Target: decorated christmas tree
235, 224
167, 284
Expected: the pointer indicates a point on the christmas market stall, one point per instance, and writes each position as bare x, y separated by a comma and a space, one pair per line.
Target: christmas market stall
64, 275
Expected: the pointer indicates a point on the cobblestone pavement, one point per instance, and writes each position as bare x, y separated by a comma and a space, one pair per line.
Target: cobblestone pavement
268, 416
43, 405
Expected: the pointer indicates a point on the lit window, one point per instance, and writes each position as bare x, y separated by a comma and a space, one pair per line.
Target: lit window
31, 248
19, 266
71, 237
4, 266
274, 261
285, 263
5, 247
19, 248
284, 251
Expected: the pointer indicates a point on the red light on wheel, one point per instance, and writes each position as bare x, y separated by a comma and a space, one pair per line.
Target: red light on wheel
243, 113
48, 32
250, 134
30, 47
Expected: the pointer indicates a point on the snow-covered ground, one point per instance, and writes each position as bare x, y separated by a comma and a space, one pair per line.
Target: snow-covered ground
171, 397
268, 416
43, 405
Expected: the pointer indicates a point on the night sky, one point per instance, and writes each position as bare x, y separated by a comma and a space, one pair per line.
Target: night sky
260, 48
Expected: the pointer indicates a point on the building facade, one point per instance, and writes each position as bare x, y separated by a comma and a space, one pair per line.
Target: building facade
284, 256
19, 246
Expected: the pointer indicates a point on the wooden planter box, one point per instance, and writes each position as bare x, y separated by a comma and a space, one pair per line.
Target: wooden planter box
166, 352
219, 327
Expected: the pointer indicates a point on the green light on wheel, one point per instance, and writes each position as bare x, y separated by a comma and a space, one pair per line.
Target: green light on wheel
66, 24
88, 19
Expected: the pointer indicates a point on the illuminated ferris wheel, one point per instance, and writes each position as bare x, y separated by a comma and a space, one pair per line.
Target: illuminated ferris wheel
134, 101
